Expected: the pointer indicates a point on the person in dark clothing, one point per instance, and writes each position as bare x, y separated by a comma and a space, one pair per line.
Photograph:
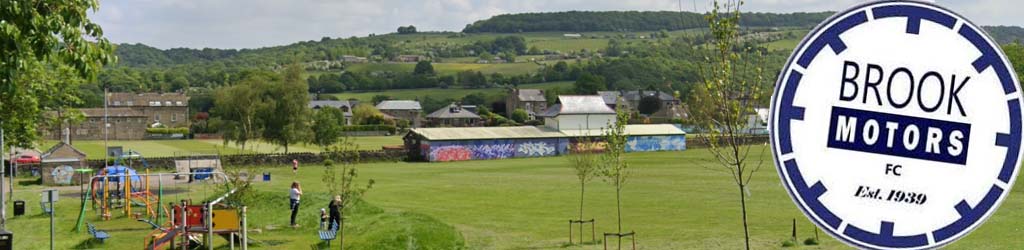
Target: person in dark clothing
334, 209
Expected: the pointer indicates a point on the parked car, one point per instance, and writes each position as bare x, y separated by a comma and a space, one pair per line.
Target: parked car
28, 159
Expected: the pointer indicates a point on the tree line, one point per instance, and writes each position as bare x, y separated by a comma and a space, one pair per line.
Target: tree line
591, 21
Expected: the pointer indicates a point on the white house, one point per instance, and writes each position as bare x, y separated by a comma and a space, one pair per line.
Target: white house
579, 112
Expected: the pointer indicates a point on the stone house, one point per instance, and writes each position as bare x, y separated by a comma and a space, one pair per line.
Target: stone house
453, 115
129, 114
671, 107
345, 106
531, 100
402, 109
410, 58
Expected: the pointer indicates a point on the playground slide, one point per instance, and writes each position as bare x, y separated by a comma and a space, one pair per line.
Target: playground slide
161, 239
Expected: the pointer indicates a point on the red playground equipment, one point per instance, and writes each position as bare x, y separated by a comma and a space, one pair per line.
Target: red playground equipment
191, 225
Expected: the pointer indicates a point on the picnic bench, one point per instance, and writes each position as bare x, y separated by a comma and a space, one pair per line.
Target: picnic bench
329, 234
98, 234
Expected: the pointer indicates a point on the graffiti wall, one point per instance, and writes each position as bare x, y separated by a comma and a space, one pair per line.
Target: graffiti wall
492, 149
656, 143
521, 148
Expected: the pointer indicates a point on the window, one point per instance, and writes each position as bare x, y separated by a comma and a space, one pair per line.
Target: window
157, 118
129, 103
117, 103
179, 103
156, 104
174, 117
167, 103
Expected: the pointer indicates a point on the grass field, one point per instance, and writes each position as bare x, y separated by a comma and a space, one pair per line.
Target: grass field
674, 200
164, 148
438, 93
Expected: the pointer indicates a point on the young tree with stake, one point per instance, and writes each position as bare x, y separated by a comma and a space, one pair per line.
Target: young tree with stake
584, 163
345, 153
730, 90
615, 169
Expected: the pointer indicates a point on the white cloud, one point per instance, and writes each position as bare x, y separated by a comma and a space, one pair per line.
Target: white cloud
259, 23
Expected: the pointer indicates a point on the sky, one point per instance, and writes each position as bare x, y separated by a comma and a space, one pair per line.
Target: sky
261, 23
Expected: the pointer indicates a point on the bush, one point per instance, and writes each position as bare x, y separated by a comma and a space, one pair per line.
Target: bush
166, 131
354, 128
811, 242
789, 243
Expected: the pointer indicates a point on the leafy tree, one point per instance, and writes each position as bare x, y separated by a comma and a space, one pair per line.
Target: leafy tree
423, 68
732, 86
406, 29
34, 35
478, 98
615, 169
486, 56
589, 84
649, 105
533, 51
365, 114
520, 115
327, 126
380, 98
286, 117
238, 108
584, 162
345, 152
1015, 52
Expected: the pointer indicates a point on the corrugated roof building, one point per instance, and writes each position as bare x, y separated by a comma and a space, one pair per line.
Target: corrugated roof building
572, 118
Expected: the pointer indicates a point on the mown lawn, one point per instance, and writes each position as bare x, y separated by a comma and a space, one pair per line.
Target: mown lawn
446, 68
674, 200
166, 148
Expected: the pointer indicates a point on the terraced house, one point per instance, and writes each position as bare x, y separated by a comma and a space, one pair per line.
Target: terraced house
129, 114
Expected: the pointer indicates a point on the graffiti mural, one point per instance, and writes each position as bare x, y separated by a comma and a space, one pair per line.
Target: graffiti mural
536, 148
450, 153
492, 149
62, 175
655, 143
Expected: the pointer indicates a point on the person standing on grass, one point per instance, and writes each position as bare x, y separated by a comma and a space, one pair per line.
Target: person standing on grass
295, 195
335, 213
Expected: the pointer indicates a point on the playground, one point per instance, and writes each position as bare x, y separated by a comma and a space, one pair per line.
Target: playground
674, 201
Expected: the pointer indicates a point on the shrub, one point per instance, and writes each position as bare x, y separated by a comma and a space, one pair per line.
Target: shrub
166, 131
811, 242
789, 243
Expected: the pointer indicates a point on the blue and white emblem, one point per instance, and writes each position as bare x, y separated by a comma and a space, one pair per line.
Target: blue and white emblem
897, 125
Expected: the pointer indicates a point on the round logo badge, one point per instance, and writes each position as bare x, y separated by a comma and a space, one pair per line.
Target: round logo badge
897, 125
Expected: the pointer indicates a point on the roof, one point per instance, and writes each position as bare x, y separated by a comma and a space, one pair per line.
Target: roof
112, 112
453, 111
524, 132
637, 95
610, 97
441, 134
316, 104
50, 156
531, 95
144, 99
632, 130
399, 104
578, 104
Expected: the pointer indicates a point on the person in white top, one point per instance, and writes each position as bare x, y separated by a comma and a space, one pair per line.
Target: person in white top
294, 196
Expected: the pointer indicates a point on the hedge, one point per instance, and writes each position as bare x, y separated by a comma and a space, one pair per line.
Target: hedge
166, 131
353, 128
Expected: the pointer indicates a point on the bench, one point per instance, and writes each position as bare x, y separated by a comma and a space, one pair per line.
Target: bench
330, 234
98, 234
